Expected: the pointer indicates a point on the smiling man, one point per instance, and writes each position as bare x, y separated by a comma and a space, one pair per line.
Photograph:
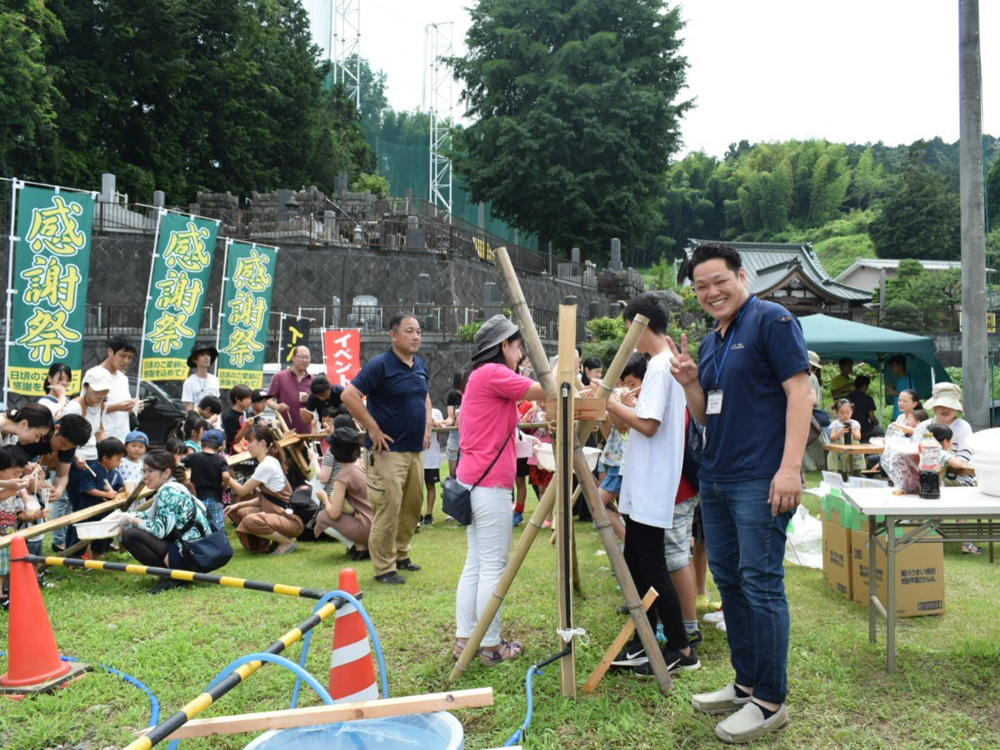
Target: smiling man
398, 420
751, 390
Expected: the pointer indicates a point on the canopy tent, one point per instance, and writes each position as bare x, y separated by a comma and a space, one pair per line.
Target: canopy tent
833, 338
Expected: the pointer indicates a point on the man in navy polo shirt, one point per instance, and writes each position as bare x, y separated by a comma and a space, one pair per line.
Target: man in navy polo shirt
398, 422
751, 390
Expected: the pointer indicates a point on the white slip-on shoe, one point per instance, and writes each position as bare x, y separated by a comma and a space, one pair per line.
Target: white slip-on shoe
721, 626
720, 702
749, 724
715, 616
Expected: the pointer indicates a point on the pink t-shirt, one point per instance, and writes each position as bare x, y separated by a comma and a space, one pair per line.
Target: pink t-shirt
487, 419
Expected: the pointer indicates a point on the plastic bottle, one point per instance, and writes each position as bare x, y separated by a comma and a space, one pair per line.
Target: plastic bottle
930, 468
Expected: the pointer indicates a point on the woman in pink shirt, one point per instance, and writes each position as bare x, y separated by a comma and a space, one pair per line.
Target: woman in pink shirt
488, 465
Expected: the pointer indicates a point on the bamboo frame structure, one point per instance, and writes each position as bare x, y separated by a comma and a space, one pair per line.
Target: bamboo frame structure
540, 363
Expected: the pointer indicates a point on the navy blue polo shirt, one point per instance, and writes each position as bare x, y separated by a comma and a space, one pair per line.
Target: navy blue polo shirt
747, 440
397, 399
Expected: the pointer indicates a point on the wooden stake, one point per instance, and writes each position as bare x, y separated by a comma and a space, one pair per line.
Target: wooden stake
563, 448
619, 643
303, 717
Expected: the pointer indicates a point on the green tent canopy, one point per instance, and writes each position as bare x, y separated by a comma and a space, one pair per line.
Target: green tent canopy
833, 338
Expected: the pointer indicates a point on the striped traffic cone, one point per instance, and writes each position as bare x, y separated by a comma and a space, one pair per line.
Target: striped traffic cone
352, 674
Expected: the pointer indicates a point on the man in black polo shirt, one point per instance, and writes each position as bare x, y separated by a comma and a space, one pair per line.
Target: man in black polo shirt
751, 389
398, 422
57, 452
865, 408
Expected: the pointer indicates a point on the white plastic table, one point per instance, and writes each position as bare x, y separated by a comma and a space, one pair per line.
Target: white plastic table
962, 514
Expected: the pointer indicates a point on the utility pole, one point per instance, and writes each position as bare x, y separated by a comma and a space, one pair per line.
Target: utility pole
975, 370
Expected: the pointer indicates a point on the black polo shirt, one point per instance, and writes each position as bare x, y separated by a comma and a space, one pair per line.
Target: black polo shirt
397, 399
44, 447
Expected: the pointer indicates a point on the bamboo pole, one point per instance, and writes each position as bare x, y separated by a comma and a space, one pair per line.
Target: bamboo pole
302, 717
537, 355
563, 449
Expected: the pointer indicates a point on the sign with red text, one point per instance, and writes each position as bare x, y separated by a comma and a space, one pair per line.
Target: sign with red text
343, 355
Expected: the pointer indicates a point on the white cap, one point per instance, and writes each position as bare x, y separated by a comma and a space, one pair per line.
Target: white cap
98, 379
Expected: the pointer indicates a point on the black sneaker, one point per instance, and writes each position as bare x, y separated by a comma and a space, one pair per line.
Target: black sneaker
4, 602
167, 584
675, 663
407, 564
392, 577
633, 655
428, 520
695, 639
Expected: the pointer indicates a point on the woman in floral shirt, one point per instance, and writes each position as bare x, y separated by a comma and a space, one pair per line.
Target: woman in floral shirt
150, 538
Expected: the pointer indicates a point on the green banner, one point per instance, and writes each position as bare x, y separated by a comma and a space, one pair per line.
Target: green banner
245, 307
178, 279
52, 265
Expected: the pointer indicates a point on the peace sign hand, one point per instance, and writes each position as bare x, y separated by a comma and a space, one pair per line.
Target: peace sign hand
682, 366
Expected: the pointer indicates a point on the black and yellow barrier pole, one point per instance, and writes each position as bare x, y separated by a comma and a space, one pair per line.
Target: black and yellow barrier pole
177, 575
165, 728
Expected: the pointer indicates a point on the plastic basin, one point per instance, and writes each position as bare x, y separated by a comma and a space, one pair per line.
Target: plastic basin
547, 461
437, 731
104, 529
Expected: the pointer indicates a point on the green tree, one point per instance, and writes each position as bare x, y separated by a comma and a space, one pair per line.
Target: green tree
575, 110
918, 218
919, 288
27, 85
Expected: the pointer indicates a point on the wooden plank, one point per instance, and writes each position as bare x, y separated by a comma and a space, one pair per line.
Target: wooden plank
303, 717
565, 443
619, 643
58, 523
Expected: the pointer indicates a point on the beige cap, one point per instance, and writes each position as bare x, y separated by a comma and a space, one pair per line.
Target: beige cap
98, 379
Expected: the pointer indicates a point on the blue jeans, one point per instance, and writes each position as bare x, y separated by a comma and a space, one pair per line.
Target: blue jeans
746, 551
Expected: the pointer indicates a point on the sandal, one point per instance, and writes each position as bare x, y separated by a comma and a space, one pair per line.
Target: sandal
459, 648
970, 549
490, 657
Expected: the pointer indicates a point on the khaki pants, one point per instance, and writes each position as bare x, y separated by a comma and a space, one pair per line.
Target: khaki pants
396, 492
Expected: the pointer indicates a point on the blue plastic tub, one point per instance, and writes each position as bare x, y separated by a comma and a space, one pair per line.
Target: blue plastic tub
437, 731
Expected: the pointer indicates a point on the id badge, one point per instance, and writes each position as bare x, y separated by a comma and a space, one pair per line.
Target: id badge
714, 405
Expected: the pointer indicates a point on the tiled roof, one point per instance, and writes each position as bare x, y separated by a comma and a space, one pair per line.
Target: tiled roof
767, 263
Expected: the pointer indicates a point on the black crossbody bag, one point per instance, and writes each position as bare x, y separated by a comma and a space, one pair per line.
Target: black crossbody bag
206, 554
456, 498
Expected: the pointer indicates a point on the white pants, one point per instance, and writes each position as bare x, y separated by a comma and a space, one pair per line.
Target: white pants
489, 537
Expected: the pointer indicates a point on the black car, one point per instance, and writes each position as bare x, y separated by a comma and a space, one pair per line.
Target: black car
163, 409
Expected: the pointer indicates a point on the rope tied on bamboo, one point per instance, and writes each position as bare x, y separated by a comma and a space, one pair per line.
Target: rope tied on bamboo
571, 633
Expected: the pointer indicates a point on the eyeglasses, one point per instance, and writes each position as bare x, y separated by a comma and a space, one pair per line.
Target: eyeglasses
302, 356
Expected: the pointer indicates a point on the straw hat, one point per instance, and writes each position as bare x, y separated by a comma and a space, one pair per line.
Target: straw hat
814, 361
488, 339
945, 394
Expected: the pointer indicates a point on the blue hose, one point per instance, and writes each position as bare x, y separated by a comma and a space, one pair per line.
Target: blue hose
529, 678
154, 702
380, 657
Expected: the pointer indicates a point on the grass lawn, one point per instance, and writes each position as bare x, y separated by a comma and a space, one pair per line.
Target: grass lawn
944, 694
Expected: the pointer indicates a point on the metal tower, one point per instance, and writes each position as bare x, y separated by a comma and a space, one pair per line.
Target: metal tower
440, 44
345, 46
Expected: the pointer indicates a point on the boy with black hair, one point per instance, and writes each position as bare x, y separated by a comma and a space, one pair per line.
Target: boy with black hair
865, 409
101, 483
233, 420
209, 471
323, 395
210, 409
651, 483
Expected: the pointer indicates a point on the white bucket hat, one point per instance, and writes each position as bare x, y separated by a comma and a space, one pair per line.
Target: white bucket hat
945, 394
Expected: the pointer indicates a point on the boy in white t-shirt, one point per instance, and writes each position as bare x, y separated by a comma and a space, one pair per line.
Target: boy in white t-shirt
136, 445
653, 457
432, 468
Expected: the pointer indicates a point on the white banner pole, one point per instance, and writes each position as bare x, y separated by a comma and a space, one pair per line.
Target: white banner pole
12, 241
160, 213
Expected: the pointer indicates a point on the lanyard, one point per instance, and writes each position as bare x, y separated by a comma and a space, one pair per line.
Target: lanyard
731, 334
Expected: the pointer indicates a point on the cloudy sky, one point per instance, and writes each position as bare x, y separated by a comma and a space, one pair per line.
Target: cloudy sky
852, 70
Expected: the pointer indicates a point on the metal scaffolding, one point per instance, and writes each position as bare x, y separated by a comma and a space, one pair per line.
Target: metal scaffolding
439, 39
345, 46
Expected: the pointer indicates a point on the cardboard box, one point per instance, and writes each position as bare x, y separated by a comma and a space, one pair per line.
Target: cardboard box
919, 576
837, 556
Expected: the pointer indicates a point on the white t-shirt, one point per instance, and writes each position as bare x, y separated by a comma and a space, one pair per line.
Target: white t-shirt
649, 487
961, 431
195, 389
89, 451
130, 470
116, 422
432, 456
270, 474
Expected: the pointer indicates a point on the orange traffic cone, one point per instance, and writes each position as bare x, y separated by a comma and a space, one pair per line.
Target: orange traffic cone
352, 674
33, 658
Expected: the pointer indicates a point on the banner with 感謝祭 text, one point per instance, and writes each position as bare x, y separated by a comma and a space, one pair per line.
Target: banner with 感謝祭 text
182, 263
51, 267
246, 305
